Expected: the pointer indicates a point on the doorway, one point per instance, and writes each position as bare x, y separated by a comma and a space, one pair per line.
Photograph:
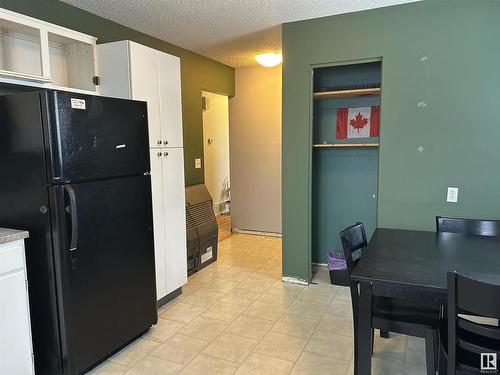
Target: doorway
215, 111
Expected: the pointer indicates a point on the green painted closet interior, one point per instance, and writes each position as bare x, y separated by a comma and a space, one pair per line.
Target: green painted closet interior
197, 72
439, 113
344, 180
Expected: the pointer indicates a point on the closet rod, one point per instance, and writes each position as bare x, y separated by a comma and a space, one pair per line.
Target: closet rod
336, 145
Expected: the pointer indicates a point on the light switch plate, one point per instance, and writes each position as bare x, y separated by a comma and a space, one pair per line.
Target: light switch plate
452, 196
197, 163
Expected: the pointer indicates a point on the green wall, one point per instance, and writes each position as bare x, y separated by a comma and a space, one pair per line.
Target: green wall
198, 72
441, 52
343, 189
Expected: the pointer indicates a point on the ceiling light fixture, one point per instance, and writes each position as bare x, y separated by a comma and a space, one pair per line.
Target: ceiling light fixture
269, 59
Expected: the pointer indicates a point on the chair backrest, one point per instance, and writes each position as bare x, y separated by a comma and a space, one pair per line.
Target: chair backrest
477, 227
353, 241
468, 339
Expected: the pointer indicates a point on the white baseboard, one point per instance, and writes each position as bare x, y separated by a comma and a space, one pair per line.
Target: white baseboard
294, 280
256, 233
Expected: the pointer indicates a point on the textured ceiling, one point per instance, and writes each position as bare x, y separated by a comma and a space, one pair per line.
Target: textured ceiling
229, 31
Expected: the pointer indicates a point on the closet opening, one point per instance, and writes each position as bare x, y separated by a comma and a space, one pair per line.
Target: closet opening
345, 154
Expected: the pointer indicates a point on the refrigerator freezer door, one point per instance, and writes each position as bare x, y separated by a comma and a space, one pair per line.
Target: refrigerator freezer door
24, 204
105, 266
92, 137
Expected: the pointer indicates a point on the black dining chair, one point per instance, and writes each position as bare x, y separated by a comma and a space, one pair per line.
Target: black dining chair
477, 227
390, 314
468, 346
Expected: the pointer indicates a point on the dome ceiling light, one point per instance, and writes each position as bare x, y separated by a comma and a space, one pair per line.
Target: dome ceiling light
269, 59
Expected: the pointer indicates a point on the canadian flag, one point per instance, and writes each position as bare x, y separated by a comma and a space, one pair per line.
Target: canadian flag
361, 122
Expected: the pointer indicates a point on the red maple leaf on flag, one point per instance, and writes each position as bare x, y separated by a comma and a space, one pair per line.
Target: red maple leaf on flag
359, 122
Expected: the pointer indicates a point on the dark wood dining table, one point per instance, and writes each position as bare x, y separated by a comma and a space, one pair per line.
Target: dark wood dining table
413, 265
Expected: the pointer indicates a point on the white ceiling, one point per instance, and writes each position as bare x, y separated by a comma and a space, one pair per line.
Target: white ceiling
229, 31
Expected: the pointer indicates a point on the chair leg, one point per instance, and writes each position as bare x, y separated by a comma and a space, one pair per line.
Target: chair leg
373, 339
384, 334
437, 345
430, 353
356, 342
443, 368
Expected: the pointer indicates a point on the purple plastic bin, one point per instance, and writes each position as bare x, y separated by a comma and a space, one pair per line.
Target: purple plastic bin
336, 261
337, 268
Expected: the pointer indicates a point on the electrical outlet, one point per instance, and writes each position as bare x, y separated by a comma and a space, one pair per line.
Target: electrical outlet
452, 196
197, 163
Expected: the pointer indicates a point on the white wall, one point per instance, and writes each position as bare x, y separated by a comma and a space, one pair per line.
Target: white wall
255, 149
216, 154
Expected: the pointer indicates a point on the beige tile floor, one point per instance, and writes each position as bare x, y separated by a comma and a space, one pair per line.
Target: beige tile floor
236, 316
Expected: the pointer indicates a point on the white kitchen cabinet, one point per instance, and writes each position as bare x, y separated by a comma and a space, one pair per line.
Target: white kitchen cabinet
16, 356
170, 100
175, 221
41, 54
169, 219
144, 85
156, 158
133, 71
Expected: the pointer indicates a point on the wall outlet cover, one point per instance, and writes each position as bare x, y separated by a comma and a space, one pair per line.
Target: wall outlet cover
452, 195
197, 163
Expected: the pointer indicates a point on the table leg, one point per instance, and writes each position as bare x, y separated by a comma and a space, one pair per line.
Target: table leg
364, 331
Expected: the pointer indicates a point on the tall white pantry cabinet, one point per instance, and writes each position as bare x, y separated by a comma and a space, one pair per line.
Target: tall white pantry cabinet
130, 70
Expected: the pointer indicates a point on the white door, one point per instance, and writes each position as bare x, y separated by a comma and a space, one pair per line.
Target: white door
170, 99
216, 146
15, 329
145, 86
175, 218
113, 65
156, 158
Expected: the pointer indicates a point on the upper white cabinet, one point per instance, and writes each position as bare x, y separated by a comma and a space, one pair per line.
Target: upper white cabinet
145, 85
20, 51
71, 63
170, 100
38, 53
131, 70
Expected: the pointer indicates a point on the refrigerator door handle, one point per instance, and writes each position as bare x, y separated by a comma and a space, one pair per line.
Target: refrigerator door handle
74, 222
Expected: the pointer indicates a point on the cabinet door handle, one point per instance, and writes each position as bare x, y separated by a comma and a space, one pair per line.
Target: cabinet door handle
165, 142
159, 142
165, 154
159, 154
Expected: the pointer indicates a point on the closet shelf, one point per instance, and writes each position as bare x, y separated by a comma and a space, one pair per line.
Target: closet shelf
26, 76
340, 145
375, 91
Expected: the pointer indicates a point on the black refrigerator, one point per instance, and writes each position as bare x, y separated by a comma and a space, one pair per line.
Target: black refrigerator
74, 172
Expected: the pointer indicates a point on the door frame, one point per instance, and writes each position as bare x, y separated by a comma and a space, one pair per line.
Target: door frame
204, 160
